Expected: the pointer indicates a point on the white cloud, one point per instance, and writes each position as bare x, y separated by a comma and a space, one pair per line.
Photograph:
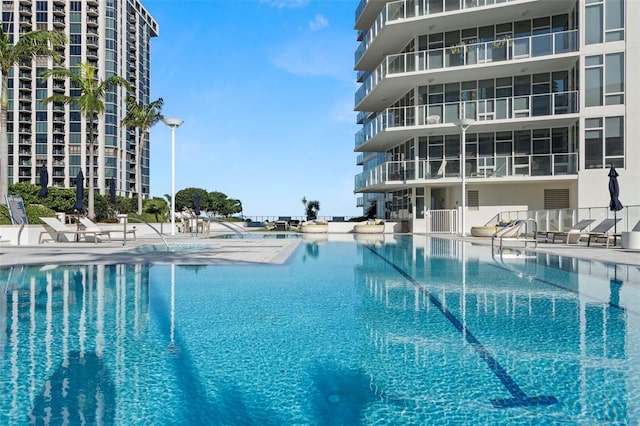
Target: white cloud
322, 57
281, 4
318, 23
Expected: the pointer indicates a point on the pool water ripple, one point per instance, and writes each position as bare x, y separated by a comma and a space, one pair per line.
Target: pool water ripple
338, 335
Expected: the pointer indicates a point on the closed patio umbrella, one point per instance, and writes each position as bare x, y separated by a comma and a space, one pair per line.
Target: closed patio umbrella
44, 181
79, 206
614, 192
112, 191
196, 204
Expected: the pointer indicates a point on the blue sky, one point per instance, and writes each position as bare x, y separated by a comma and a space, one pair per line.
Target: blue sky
265, 89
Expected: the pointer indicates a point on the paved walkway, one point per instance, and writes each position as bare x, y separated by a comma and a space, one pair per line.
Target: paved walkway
207, 250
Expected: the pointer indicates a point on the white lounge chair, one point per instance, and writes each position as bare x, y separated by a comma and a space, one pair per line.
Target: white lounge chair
58, 231
89, 225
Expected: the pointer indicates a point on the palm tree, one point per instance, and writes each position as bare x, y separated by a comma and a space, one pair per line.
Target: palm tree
23, 52
90, 102
142, 118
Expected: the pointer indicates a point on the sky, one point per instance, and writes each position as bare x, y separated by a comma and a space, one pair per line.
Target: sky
266, 91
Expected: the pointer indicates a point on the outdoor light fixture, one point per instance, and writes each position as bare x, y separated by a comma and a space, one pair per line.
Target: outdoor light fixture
173, 123
464, 124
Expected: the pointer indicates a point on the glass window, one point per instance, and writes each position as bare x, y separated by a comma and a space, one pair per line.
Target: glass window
595, 22
541, 141
604, 147
485, 144
614, 141
522, 142
593, 149
560, 141
614, 81
594, 80
614, 24
593, 86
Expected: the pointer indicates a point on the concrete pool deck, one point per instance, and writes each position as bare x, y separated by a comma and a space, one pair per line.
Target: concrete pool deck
152, 250
204, 249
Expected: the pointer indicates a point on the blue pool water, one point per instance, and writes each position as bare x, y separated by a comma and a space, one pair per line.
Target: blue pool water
401, 332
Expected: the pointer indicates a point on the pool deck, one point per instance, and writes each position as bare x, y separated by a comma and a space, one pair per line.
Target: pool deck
152, 250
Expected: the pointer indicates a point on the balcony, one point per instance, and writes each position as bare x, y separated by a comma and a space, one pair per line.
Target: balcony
397, 124
400, 20
490, 169
92, 53
367, 11
92, 22
58, 11
92, 11
58, 22
539, 53
92, 41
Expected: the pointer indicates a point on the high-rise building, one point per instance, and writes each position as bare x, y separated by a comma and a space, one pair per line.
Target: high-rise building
544, 86
114, 37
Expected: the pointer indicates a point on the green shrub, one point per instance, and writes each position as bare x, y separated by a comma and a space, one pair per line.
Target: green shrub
34, 213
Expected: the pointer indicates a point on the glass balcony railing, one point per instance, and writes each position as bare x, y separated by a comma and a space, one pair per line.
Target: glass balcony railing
514, 107
405, 9
479, 167
360, 8
505, 49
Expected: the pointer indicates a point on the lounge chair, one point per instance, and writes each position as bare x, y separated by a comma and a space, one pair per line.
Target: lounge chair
269, 226
601, 232
575, 230
58, 231
89, 225
282, 225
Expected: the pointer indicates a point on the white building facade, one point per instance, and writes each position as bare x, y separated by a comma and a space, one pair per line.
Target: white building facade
114, 36
545, 85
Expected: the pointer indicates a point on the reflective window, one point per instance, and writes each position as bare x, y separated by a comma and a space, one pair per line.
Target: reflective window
604, 142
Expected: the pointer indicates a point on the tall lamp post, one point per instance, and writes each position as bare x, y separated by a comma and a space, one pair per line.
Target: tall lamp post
173, 123
464, 124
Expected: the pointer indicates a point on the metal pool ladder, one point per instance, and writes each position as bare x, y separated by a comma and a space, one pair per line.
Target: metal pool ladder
513, 232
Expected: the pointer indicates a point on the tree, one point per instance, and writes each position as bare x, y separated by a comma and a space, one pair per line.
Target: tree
90, 101
185, 198
158, 207
24, 51
313, 207
141, 118
231, 207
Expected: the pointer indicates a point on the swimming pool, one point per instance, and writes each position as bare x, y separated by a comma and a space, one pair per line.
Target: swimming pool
400, 332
